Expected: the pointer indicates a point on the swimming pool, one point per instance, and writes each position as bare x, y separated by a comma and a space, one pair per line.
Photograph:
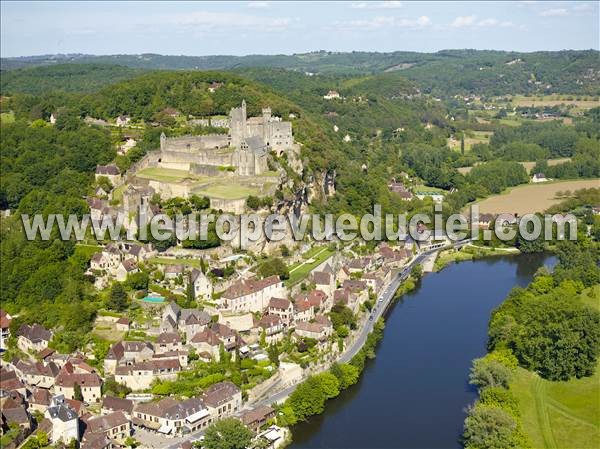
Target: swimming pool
154, 299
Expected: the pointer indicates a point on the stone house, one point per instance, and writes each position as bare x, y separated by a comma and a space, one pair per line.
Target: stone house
90, 385
114, 426
273, 328
111, 172
324, 281
320, 329
251, 295
256, 418
203, 287
33, 338
222, 399
127, 352
125, 268
37, 374
282, 308
168, 341
140, 375
112, 404
172, 417
206, 342
64, 420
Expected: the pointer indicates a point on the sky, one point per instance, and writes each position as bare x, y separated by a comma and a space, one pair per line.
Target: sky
277, 27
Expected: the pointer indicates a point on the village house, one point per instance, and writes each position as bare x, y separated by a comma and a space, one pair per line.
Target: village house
304, 310
539, 177
37, 374
251, 295
89, 383
5, 320
168, 341
64, 421
320, 301
272, 327
140, 375
256, 418
127, 145
332, 94
123, 324
126, 268
207, 344
171, 417
320, 329
282, 308
114, 426
33, 338
203, 288
222, 399
436, 196
324, 281
39, 401
112, 404
172, 272
348, 298
123, 120
127, 352
111, 172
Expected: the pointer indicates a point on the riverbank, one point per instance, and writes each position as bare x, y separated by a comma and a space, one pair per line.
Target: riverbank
470, 252
432, 334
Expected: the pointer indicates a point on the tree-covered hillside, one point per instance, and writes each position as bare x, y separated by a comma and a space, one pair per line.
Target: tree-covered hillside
444, 73
64, 77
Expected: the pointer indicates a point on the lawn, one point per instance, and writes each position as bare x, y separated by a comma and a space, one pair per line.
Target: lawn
229, 192
532, 198
559, 415
117, 193
300, 270
165, 174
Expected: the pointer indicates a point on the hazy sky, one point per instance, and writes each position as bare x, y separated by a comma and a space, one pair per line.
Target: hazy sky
238, 28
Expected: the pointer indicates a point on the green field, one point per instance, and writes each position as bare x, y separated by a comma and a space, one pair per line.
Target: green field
315, 256
561, 415
229, 192
166, 174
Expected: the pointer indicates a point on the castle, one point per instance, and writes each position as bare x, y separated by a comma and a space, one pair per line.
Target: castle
243, 150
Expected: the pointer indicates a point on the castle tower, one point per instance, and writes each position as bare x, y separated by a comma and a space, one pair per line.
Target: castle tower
237, 124
163, 140
266, 127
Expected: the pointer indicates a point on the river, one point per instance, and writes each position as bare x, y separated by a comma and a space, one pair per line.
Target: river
413, 395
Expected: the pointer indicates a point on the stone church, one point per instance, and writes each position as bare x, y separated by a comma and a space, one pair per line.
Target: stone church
244, 149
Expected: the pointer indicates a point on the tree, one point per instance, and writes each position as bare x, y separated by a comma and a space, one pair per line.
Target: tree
347, 374
273, 353
273, 266
137, 281
462, 144
228, 433
117, 297
77, 394
490, 428
489, 373
330, 385
308, 399
416, 272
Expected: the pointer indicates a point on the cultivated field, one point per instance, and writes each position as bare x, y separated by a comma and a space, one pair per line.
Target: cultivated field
532, 197
472, 138
551, 100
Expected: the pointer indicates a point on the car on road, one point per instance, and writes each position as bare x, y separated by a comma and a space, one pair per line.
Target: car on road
371, 318
380, 299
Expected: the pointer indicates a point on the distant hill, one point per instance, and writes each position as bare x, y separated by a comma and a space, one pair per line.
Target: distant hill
64, 78
446, 72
